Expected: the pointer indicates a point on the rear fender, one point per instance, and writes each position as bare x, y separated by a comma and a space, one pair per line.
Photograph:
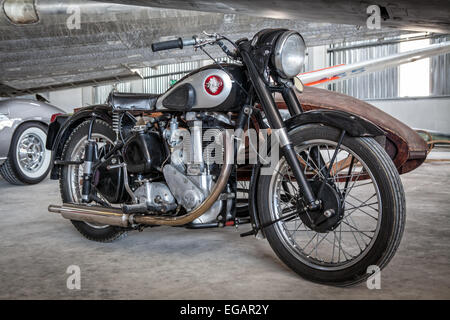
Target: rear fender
57, 140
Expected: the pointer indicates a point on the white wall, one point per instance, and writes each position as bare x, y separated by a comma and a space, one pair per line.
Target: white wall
70, 99
420, 113
66, 99
87, 96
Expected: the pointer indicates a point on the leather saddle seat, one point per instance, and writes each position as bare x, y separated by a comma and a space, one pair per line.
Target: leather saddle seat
133, 101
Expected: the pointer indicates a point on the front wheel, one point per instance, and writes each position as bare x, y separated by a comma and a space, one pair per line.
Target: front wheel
362, 217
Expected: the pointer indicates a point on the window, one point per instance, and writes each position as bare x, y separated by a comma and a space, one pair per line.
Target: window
414, 76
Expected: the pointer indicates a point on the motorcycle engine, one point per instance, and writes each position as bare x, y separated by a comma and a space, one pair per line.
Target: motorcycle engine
190, 174
185, 176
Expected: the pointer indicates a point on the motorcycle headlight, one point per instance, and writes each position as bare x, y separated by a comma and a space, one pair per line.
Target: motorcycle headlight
289, 54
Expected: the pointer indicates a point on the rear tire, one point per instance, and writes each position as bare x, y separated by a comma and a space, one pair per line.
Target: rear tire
69, 195
28, 161
390, 227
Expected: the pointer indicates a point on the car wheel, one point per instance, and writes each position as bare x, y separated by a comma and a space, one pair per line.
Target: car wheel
28, 161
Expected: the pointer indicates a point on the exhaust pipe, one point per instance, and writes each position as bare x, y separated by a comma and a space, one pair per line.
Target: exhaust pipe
93, 214
116, 217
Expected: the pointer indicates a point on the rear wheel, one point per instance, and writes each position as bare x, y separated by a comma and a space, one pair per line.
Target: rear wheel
363, 214
28, 161
71, 178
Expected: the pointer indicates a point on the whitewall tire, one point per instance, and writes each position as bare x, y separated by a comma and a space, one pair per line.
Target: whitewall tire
28, 161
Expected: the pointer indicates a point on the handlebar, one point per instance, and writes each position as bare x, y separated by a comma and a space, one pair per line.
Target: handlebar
172, 44
180, 43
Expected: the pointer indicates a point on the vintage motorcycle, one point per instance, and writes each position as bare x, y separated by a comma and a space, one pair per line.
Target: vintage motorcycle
331, 205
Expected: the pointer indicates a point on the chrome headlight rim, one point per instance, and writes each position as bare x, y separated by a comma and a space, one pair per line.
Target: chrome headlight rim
279, 45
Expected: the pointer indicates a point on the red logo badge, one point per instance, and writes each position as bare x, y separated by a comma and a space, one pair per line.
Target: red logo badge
214, 85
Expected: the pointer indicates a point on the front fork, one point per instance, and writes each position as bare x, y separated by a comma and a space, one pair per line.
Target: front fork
276, 122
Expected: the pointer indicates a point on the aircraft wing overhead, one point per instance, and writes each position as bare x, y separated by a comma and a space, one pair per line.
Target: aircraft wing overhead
417, 15
44, 50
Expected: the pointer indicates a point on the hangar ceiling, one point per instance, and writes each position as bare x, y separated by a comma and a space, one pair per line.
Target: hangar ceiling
112, 40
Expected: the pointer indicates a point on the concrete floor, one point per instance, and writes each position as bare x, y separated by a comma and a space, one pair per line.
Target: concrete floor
36, 248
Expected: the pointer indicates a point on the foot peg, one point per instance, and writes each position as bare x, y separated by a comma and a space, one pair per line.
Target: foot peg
249, 233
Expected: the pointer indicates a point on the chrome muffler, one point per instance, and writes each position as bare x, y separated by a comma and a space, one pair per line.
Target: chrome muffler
116, 217
92, 214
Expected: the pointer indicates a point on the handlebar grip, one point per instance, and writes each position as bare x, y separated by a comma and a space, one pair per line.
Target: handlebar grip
165, 45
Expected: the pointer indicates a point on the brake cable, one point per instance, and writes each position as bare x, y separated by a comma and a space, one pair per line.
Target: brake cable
219, 65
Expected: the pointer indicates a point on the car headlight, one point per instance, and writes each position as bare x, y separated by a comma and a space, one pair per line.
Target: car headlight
289, 54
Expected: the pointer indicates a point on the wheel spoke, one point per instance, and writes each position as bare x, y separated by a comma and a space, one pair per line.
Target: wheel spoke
352, 227
354, 182
316, 169
359, 208
353, 233
317, 244
303, 249
339, 247
360, 231
364, 204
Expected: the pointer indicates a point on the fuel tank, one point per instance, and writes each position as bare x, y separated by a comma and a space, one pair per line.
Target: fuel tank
210, 88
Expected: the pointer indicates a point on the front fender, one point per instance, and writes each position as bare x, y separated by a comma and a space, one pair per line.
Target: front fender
56, 141
354, 125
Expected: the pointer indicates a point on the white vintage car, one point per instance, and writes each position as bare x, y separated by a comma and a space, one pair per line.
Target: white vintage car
23, 133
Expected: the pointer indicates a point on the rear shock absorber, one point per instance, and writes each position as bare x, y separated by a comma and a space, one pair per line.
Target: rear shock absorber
116, 124
90, 156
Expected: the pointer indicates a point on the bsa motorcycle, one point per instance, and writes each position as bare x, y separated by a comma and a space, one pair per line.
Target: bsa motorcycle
331, 203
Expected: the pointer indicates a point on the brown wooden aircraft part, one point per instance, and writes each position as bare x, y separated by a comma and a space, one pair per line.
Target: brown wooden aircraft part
405, 146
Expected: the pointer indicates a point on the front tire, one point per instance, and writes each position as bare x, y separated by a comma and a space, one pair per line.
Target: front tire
380, 217
70, 178
28, 160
